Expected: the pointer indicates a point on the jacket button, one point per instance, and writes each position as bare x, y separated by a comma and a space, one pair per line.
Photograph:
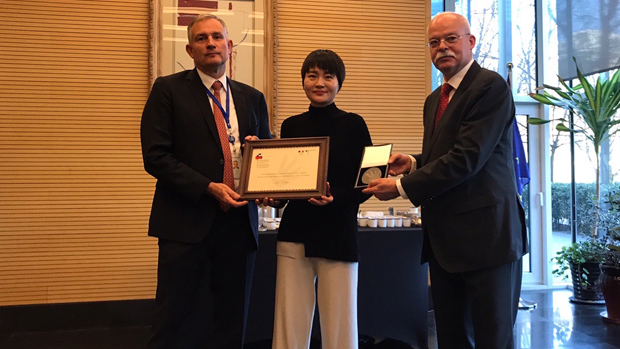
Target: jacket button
221, 161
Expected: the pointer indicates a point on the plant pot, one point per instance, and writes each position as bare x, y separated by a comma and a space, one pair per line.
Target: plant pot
585, 289
610, 285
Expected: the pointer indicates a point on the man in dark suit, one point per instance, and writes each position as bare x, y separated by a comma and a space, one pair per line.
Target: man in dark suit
207, 236
472, 220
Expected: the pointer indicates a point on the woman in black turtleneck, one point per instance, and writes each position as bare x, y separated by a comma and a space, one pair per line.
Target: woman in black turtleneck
317, 238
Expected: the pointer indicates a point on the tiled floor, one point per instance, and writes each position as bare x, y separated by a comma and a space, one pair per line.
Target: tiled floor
555, 323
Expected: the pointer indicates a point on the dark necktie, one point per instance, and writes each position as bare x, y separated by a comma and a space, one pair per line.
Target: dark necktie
229, 179
444, 98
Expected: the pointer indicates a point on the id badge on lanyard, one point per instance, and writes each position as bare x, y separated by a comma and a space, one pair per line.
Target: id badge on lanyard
236, 161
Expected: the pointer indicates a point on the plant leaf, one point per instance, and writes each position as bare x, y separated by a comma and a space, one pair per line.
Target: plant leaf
587, 87
537, 121
563, 128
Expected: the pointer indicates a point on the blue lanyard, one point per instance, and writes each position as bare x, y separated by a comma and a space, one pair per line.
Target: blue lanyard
225, 113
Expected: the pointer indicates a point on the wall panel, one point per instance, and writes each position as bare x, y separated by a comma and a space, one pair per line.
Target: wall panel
74, 197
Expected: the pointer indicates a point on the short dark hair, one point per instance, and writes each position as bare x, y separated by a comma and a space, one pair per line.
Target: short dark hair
327, 60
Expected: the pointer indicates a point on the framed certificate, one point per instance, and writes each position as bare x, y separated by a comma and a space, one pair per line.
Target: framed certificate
289, 168
374, 164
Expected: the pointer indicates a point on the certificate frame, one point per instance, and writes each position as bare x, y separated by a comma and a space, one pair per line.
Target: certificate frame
287, 146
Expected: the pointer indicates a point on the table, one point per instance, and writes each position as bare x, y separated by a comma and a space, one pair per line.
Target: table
392, 288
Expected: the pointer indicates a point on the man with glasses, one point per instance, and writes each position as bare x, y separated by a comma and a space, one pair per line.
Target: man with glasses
472, 219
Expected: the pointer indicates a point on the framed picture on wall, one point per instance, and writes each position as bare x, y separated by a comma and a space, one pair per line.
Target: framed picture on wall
245, 21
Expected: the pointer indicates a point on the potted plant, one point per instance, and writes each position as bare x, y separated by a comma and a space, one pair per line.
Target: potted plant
596, 105
610, 267
582, 259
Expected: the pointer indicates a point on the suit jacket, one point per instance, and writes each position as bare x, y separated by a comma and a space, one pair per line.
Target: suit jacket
472, 216
182, 150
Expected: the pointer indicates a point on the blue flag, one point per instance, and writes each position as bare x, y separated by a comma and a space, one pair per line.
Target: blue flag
522, 171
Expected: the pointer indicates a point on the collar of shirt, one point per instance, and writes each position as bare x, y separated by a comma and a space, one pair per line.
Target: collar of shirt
458, 78
208, 80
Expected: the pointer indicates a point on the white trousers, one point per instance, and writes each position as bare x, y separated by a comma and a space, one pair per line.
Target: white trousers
295, 300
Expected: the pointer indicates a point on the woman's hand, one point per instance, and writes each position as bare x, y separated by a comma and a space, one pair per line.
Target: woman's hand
323, 200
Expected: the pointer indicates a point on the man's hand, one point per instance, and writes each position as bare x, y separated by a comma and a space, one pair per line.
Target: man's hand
267, 202
225, 195
399, 164
383, 189
250, 138
323, 200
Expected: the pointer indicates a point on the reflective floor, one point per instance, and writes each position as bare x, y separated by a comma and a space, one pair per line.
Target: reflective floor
555, 323
558, 323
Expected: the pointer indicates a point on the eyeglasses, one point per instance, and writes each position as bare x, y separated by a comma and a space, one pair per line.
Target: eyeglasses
449, 40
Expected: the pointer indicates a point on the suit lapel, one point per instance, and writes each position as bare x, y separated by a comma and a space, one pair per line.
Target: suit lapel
449, 112
429, 120
202, 100
241, 107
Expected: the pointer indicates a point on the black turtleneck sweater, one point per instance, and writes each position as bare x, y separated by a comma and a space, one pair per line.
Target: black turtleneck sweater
329, 231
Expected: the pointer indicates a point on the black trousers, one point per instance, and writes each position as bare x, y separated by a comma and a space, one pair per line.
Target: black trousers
476, 309
203, 289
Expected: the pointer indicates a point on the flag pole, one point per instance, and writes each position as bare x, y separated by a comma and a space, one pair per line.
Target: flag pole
509, 66
523, 304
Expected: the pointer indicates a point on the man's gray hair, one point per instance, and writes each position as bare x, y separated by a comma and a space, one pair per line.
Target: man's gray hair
201, 18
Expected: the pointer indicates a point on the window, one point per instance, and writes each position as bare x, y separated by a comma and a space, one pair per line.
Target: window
572, 159
525, 33
505, 33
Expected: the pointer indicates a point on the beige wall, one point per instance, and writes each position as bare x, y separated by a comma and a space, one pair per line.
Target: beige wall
74, 198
